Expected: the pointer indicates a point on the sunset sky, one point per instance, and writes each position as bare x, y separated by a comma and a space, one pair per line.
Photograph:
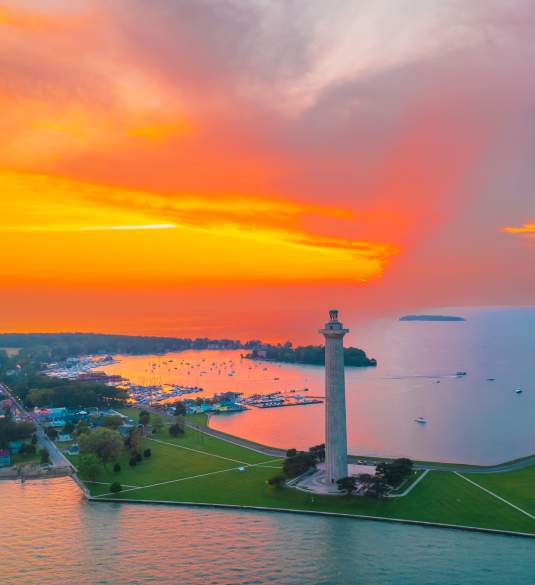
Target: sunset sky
235, 168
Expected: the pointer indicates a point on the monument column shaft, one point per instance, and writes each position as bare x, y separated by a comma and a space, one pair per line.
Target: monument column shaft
335, 406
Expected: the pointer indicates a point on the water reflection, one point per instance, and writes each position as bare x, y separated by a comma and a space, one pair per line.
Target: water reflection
50, 535
470, 419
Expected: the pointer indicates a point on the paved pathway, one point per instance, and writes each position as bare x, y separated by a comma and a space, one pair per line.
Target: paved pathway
497, 496
411, 487
241, 468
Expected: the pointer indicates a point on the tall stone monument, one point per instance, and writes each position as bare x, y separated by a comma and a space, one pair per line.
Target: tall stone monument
335, 400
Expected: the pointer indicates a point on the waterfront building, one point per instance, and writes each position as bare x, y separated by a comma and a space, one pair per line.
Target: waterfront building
335, 400
5, 458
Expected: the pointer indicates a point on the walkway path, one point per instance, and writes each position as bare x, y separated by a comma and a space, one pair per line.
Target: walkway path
430, 466
186, 478
197, 451
497, 496
411, 487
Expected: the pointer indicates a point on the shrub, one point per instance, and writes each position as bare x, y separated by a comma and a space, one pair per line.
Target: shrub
117, 467
175, 430
147, 453
133, 461
277, 480
138, 457
51, 433
294, 466
28, 449
115, 487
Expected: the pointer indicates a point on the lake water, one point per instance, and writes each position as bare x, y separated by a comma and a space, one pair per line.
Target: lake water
470, 419
51, 536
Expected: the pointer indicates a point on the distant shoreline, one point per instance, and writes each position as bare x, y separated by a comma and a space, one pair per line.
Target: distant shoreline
431, 318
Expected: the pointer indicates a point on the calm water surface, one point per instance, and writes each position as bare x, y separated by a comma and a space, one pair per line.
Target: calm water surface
50, 535
470, 419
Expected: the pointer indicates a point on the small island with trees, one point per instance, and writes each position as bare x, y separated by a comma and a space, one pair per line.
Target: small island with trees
431, 318
308, 354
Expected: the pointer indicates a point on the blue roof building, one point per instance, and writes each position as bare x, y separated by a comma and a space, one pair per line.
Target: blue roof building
5, 458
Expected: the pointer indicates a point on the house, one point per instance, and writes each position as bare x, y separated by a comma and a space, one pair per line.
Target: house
64, 437
73, 450
15, 446
5, 458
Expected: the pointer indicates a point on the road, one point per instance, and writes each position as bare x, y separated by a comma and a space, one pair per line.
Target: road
275, 452
57, 459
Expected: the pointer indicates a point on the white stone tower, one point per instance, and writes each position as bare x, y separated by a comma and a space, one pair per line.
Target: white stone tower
335, 400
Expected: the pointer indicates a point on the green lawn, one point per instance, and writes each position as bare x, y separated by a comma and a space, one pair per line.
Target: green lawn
518, 487
204, 469
25, 459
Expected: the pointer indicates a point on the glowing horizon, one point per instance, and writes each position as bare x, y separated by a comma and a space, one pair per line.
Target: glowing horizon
265, 169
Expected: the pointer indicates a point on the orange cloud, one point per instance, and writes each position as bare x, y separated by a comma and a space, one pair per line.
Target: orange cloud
528, 229
38, 21
103, 233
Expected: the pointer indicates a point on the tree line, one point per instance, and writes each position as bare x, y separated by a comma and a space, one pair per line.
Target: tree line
308, 354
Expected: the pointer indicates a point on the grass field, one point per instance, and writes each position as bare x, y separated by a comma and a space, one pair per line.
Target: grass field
204, 469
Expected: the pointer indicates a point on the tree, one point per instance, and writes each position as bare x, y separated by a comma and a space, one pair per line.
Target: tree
180, 409
277, 481
134, 439
14, 431
117, 468
68, 428
104, 443
318, 451
147, 453
27, 449
347, 484
45, 457
157, 425
175, 430
181, 422
83, 427
395, 472
144, 418
291, 453
34, 439
138, 457
51, 433
89, 466
111, 421
115, 487
377, 488
297, 465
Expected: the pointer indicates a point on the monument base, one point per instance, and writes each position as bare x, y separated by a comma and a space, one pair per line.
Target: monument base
317, 483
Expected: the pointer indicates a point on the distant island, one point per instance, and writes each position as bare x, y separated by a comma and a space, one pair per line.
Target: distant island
431, 318
309, 354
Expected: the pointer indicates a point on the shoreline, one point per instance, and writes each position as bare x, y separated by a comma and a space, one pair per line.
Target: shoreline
499, 467
404, 521
312, 513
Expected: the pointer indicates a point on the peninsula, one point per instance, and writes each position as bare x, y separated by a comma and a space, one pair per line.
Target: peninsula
309, 354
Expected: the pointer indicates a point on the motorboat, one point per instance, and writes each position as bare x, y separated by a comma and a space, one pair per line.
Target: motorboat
421, 420
519, 391
459, 374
